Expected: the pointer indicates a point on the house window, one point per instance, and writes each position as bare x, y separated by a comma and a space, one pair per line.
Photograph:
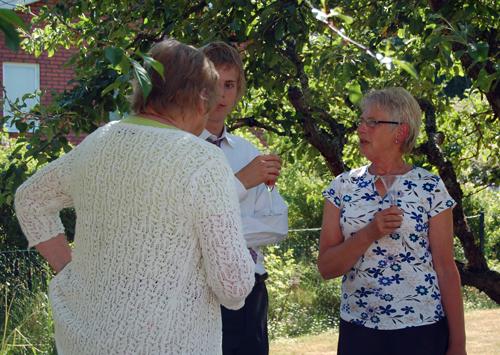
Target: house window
19, 79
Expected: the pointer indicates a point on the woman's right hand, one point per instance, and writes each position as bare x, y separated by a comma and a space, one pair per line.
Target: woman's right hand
385, 222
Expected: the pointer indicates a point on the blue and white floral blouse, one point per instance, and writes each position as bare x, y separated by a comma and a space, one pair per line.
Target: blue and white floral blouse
393, 285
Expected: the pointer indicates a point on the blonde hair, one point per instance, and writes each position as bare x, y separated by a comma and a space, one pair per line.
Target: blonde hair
401, 106
224, 55
189, 78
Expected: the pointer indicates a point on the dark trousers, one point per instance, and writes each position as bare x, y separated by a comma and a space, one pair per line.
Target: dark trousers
424, 340
245, 331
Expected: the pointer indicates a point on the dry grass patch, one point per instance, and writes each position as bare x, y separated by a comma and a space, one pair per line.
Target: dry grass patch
482, 327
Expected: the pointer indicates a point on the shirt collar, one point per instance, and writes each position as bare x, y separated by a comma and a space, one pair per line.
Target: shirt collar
224, 137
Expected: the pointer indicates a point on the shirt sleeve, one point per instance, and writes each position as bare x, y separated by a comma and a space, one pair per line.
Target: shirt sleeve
241, 191
265, 227
228, 264
333, 192
439, 198
39, 200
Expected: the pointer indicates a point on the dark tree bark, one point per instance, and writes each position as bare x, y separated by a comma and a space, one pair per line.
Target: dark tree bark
487, 281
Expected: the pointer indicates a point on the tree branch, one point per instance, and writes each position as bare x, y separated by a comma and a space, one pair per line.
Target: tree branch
487, 281
329, 145
475, 258
252, 122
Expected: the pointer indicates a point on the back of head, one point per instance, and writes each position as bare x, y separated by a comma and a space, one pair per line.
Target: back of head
224, 55
401, 106
189, 78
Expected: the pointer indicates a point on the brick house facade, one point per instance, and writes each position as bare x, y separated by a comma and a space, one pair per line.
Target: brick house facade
48, 73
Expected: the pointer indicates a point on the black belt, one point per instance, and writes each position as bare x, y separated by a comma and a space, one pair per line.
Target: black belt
261, 278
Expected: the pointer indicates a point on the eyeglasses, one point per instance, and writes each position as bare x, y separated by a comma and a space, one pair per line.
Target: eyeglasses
374, 123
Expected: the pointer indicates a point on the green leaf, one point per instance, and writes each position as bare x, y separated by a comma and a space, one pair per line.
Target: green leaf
484, 80
142, 77
114, 85
354, 90
479, 51
337, 12
407, 67
113, 55
11, 36
156, 65
124, 65
9, 16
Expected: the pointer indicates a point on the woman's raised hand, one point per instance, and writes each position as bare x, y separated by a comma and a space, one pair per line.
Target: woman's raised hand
385, 222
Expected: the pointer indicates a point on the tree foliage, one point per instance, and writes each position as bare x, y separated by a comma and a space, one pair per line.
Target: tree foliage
308, 64
10, 22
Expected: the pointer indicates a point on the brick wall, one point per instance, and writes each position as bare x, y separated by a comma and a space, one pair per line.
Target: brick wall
54, 74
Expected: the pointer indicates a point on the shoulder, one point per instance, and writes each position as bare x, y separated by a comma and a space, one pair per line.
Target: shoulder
200, 148
424, 176
352, 176
242, 144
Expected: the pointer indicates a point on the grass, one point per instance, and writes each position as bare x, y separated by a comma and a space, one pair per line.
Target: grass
26, 324
481, 328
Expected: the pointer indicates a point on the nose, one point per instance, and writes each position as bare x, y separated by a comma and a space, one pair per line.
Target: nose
361, 126
222, 91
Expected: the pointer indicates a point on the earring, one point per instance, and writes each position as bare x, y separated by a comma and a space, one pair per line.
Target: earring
396, 141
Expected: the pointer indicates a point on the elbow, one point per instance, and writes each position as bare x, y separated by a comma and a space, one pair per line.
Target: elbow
233, 295
325, 272
235, 298
18, 197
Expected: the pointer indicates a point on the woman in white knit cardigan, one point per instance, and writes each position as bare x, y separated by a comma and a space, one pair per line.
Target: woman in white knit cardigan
158, 243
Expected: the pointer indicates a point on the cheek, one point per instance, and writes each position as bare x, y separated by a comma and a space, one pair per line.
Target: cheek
232, 95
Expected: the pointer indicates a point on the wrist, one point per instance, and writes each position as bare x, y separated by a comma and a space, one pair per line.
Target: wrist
365, 234
242, 179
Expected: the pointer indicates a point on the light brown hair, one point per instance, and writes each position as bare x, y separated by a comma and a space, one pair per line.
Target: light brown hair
224, 55
189, 78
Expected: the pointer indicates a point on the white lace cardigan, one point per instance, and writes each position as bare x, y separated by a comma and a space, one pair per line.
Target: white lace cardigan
158, 243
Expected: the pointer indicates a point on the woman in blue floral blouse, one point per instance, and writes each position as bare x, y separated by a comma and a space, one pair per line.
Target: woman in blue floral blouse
400, 286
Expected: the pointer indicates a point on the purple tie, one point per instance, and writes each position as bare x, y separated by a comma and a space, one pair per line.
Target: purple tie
217, 142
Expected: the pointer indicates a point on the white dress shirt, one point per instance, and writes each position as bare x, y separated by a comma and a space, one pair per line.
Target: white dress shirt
261, 225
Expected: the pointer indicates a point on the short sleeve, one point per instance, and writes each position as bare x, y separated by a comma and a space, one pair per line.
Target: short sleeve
439, 198
333, 192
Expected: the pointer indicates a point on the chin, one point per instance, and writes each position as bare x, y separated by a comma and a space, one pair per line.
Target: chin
216, 117
364, 153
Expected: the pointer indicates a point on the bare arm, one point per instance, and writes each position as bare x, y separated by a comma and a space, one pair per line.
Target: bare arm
441, 242
337, 256
56, 251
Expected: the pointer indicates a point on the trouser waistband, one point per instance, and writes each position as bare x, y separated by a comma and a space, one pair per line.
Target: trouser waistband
261, 278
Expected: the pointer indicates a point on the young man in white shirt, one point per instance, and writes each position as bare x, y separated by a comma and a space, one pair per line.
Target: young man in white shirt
264, 215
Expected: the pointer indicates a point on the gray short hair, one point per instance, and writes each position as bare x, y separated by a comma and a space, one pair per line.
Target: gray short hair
401, 106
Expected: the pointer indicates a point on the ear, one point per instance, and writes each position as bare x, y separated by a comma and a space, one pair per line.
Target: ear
201, 107
403, 132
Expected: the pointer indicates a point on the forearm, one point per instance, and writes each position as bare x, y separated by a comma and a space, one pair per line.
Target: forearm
451, 298
339, 259
56, 251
